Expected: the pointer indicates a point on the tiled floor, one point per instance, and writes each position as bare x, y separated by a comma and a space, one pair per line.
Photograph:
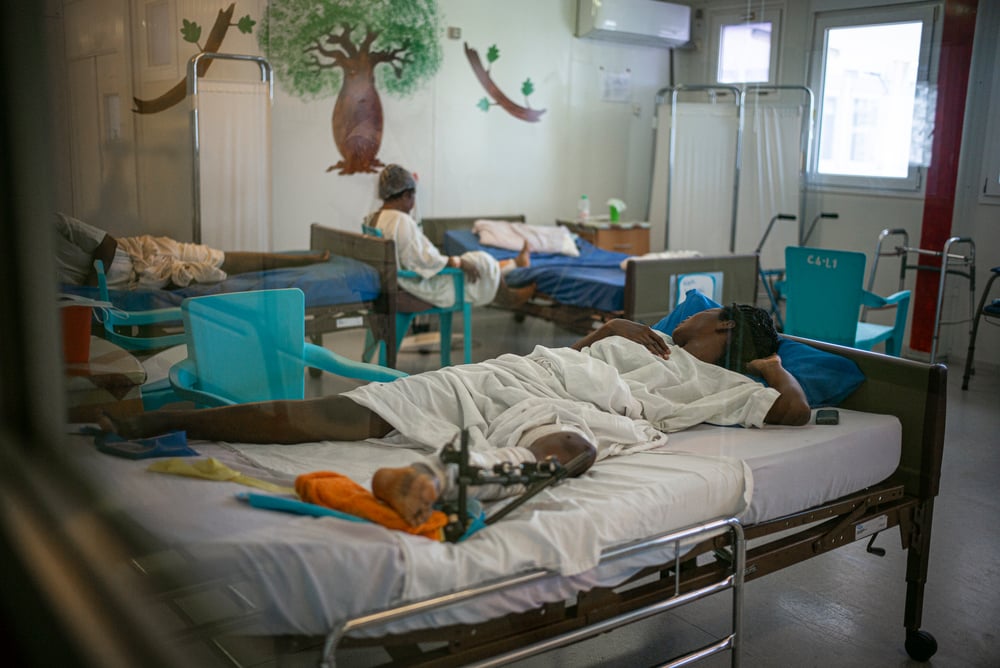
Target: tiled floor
844, 608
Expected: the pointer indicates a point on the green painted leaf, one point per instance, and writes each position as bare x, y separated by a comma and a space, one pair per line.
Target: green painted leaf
191, 32
484, 104
246, 25
527, 88
493, 54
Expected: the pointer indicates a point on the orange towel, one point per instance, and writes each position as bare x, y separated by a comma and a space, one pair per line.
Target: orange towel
333, 490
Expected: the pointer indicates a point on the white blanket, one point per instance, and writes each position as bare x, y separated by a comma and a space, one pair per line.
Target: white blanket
312, 562
160, 261
619, 394
512, 236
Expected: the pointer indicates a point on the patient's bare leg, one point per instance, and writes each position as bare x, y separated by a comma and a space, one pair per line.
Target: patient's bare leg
240, 262
523, 258
509, 297
412, 490
332, 418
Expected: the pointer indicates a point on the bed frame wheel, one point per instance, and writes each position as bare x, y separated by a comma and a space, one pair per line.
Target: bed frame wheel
920, 645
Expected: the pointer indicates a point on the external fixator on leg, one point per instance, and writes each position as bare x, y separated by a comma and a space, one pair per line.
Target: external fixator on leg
533, 476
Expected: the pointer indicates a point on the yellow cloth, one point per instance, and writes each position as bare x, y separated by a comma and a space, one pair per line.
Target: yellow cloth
212, 469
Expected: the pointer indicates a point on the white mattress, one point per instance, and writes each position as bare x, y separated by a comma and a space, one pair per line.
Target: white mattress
795, 468
311, 574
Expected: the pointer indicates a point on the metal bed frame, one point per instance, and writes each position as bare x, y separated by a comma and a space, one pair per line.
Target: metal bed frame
578, 626
914, 392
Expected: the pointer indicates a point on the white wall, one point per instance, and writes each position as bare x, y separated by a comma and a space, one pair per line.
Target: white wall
472, 162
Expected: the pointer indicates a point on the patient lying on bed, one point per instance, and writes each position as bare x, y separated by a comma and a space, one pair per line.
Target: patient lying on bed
616, 391
155, 262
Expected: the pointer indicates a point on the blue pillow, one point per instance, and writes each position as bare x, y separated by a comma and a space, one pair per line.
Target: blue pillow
694, 302
826, 378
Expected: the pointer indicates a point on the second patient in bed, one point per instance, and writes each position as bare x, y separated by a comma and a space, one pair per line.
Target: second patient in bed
155, 262
617, 390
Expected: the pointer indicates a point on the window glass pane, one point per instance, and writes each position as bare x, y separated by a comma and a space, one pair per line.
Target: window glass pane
870, 76
745, 53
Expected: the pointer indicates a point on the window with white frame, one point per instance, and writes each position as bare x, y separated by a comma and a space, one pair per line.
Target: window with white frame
744, 45
991, 151
872, 73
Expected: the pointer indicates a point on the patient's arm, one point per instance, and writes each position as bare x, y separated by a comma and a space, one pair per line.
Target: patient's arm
791, 406
332, 418
633, 331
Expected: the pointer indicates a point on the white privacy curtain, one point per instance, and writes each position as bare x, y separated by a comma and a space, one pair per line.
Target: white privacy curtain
770, 180
234, 164
703, 177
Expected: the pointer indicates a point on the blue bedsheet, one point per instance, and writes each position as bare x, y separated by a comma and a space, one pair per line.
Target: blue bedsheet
340, 280
592, 280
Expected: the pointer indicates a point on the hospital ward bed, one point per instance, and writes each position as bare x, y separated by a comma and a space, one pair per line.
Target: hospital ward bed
579, 293
561, 567
342, 293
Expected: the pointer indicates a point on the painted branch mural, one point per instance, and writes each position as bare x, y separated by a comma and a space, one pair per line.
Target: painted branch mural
191, 32
356, 47
525, 113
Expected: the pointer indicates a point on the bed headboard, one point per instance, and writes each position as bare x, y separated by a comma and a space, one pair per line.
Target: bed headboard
914, 392
377, 253
436, 228
647, 282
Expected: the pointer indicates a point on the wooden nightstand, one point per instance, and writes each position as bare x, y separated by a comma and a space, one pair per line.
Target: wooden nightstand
624, 237
112, 375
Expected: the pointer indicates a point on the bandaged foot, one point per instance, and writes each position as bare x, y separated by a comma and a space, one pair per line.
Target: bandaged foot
410, 490
523, 259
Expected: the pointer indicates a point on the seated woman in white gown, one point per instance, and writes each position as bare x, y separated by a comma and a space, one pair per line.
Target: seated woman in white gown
414, 251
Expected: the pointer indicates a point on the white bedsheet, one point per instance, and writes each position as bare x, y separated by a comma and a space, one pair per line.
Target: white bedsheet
309, 574
795, 468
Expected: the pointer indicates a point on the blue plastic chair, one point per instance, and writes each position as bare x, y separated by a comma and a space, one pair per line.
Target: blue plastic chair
824, 295
444, 313
250, 346
115, 319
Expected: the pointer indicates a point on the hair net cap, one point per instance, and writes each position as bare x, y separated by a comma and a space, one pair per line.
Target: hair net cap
393, 180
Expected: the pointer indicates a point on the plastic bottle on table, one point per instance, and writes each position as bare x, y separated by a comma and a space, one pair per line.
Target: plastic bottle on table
583, 209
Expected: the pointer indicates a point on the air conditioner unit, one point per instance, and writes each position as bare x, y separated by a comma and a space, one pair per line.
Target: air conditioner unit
645, 22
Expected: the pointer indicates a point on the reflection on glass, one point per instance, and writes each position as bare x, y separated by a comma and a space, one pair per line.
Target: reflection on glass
745, 53
869, 80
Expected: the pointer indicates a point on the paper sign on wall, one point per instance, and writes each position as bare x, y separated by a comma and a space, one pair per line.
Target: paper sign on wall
708, 283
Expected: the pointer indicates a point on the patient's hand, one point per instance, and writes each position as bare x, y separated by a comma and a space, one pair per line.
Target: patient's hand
760, 367
470, 270
640, 333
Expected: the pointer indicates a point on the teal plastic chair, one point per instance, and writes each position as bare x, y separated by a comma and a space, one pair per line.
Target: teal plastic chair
250, 346
118, 322
824, 295
405, 319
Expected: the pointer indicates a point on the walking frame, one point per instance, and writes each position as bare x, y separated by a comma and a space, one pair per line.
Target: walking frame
952, 263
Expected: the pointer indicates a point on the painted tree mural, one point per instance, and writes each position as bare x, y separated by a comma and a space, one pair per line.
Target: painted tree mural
191, 32
524, 112
356, 47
